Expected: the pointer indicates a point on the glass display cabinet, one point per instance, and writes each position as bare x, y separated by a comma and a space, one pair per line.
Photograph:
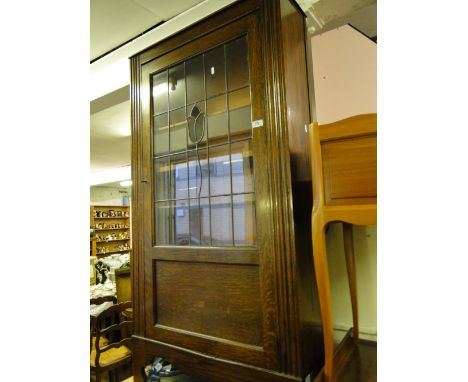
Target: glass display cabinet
223, 278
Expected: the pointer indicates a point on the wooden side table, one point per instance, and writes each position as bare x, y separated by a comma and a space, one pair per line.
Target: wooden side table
344, 187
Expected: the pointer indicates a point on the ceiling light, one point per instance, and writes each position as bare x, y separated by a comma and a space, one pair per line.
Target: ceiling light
126, 183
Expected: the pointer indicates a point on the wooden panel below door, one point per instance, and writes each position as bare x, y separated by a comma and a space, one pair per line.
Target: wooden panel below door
218, 300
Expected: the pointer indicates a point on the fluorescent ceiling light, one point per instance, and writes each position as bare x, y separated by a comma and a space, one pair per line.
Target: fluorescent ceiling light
111, 175
126, 183
233, 161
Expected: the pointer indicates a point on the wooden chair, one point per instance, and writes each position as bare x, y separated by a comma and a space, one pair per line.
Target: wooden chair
116, 350
92, 330
344, 187
100, 300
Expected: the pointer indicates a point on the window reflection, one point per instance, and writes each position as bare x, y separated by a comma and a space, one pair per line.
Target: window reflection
161, 134
178, 129
204, 190
176, 85
221, 214
159, 93
215, 74
244, 219
242, 167
220, 171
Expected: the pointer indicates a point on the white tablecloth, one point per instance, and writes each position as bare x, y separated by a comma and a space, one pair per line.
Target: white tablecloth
94, 310
101, 290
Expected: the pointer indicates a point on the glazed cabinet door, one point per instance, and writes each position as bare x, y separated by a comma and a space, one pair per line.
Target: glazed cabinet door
207, 279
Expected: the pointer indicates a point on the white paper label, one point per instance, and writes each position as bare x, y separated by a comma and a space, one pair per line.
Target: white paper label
257, 123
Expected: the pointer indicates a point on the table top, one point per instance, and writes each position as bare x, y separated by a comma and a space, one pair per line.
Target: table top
101, 290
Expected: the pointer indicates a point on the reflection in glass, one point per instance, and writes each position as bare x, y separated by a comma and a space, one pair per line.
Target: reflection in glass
214, 72
178, 130
159, 93
202, 149
242, 167
244, 219
195, 79
239, 114
163, 223
198, 181
221, 228
237, 64
161, 178
200, 222
176, 87
217, 120
220, 170
182, 222
179, 181
161, 134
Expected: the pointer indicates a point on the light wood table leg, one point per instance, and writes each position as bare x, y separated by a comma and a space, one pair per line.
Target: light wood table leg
324, 294
351, 268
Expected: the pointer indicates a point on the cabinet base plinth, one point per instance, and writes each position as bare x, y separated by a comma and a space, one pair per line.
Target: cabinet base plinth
209, 368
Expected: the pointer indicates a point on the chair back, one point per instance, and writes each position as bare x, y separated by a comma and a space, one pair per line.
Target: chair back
123, 284
100, 300
116, 329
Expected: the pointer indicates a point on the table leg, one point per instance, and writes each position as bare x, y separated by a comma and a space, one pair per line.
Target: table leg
324, 294
351, 268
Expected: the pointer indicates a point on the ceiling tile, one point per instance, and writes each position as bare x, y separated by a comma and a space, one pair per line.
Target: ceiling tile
167, 9
114, 22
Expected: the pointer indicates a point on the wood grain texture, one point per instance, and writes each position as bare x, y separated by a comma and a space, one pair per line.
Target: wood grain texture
219, 300
282, 238
350, 166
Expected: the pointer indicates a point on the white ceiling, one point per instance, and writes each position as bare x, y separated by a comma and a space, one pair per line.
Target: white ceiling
114, 22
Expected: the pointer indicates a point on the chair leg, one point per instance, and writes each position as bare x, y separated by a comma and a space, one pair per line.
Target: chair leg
324, 294
351, 268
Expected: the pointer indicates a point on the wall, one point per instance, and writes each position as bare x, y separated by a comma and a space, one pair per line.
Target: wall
345, 74
345, 84
104, 195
